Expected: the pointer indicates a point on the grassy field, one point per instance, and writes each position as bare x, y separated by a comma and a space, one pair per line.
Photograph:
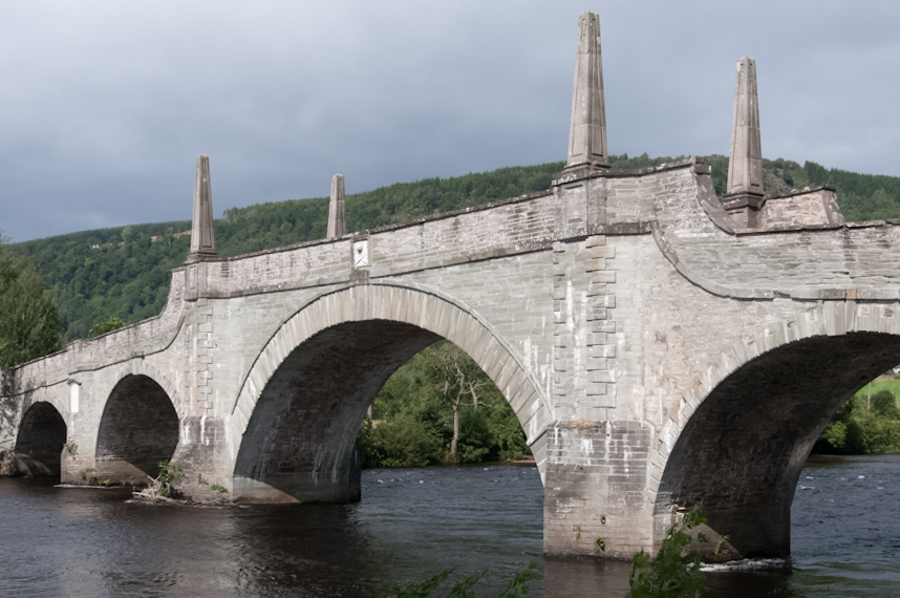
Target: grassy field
881, 384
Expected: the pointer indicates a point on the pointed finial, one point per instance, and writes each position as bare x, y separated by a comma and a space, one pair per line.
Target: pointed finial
587, 137
203, 244
745, 171
337, 224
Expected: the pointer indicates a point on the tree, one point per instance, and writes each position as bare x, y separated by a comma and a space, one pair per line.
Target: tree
404, 441
420, 415
884, 404
460, 381
108, 325
29, 323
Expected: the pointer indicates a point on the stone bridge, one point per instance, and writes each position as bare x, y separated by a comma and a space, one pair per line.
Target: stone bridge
660, 345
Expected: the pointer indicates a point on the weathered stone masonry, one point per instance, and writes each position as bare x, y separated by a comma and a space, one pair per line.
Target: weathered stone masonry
658, 348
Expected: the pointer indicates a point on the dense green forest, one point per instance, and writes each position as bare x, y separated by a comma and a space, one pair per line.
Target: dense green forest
124, 272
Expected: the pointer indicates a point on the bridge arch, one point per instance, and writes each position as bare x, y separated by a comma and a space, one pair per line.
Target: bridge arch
742, 435
139, 428
42, 435
347, 343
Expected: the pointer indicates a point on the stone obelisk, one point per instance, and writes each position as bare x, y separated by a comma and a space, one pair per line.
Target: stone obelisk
587, 137
203, 244
337, 223
744, 191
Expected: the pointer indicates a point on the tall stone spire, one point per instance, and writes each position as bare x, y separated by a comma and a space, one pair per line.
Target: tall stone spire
203, 245
745, 172
337, 223
587, 137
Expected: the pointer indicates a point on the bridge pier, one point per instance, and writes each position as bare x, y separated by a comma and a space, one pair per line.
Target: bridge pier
202, 453
595, 487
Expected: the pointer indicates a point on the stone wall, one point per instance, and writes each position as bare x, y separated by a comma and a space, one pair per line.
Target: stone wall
808, 209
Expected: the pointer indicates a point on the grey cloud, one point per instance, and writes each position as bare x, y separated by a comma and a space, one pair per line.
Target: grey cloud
105, 106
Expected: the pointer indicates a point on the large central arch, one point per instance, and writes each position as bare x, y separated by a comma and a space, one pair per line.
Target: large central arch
299, 410
741, 448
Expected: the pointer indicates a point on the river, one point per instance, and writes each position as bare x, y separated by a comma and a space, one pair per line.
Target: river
411, 523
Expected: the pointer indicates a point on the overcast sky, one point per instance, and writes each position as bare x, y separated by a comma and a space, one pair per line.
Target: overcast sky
104, 106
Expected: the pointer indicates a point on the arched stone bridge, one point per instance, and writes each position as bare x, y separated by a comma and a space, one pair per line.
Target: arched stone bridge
660, 345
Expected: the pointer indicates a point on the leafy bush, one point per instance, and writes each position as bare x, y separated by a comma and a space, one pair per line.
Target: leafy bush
668, 575
872, 435
107, 325
168, 475
863, 426
404, 441
475, 439
835, 434
884, 404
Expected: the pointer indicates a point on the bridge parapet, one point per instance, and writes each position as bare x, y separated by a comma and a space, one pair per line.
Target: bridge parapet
835, 260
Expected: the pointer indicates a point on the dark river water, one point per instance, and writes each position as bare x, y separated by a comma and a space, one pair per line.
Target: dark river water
411, 523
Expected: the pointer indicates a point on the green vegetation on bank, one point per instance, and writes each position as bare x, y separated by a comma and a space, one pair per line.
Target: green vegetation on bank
670, 574
440, 408
866, 424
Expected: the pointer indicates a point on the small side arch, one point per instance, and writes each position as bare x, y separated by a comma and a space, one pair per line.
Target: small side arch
355, 337
143, 367
741, 436
139, 428
42, 435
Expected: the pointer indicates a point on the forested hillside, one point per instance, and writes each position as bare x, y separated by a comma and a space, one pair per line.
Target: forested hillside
124, 272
